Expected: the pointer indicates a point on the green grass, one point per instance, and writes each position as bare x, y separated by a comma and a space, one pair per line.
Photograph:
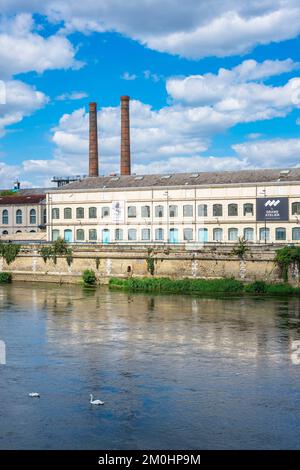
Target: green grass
201, 286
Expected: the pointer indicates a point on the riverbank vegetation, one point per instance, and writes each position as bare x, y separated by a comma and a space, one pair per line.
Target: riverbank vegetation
5, 278
9, 251
165, 285
58, 248
89, 278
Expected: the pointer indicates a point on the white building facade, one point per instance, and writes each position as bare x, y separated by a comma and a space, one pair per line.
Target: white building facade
22, 214
261, 206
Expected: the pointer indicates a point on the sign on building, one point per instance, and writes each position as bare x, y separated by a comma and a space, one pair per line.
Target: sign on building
118, 212
272, 208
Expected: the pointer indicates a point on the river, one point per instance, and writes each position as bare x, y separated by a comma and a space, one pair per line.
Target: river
174, 371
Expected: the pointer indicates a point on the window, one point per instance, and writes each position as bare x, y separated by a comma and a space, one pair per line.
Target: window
296, 233
92, 234
202, 235
32, 216
173, 211
145, 234
105, 212
19, 231
5, 217
280, 233
188, 210
132, 234
105, 235
232, 210
248, 209
131, 211
80, 213
80, 234
92, 212
232, 234
68, 213
68, 236
159, 211
159, 234
217, 234
217, 210
32, 231
264, 234
5, 232
19, 216
55, 235
173, 235
296, 208
248, 234
188, 234
202, 210
145, 211
55, 213
119, 234
44, 216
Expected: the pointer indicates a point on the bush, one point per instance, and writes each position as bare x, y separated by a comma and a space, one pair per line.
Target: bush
5, 278
9, 251
89, 277
256, 287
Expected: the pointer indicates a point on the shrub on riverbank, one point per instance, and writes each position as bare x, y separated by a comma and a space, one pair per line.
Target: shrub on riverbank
5, 278
89, 278
201, 286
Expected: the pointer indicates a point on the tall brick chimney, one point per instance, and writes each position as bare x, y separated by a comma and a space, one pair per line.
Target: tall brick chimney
93, 141
125, 136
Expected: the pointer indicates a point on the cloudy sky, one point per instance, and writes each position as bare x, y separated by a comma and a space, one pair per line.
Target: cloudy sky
214, 85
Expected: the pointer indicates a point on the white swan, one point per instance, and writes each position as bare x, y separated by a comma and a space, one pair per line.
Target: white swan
34, 395
95, 402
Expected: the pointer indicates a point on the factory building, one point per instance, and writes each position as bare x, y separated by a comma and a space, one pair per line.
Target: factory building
262, 206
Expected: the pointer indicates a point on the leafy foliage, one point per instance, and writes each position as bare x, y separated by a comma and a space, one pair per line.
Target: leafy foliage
9, 251
89, 277
58, 248
150, 265
285, 257
241, 248
5, 278
97, 261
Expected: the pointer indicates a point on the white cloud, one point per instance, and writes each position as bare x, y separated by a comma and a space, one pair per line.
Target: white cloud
72, 96
23, 50
128, 76
192, 28
272, 153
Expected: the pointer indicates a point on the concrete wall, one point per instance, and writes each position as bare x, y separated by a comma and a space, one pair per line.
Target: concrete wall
209, 262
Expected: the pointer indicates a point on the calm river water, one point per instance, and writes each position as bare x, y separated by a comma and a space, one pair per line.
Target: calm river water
174, 372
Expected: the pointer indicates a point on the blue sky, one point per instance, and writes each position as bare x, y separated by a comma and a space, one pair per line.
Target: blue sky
213, 86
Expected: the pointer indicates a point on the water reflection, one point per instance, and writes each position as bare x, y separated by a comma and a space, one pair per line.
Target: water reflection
165, 364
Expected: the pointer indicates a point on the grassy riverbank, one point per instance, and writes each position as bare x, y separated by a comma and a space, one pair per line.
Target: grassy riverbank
201, 286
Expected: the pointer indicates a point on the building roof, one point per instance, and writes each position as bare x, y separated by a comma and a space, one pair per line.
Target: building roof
185, 179
22, 199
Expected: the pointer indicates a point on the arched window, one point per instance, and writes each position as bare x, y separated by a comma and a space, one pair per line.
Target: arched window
68, 213
80, 213
145, 234
131, 211
19, 231
80, 235
55, 213
145, 212
232, 234
68, 236
159, 211
280, 233
188, 234
248, 234
5, 232
119, 234
32, 216
19, 216
296, 208
105, 212
217, 210
202, 210
32, 231
264, 234
202, 235
92, 234
248, 208
232, 210
159, 234
132, 234
217, 234
296, 233
93, 212
188, 210
5, 217
173, 211
55, 235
